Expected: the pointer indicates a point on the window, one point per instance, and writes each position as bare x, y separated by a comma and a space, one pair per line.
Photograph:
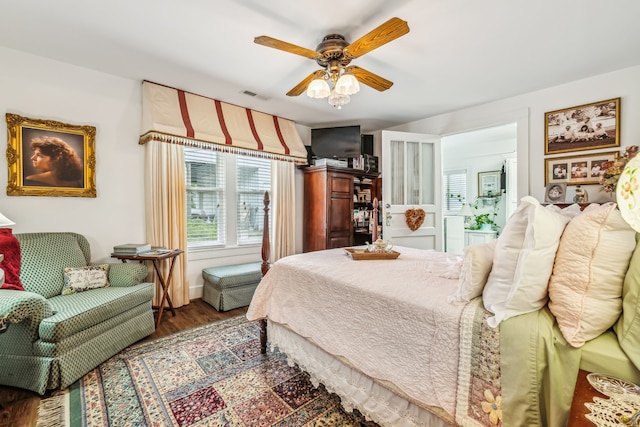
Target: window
253, 178
205, 186
224, 198
455, 189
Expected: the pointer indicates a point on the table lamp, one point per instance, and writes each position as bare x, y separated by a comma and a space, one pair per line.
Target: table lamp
467, 213
628, 193
5, 222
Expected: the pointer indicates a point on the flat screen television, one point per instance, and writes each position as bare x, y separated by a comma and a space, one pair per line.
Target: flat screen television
336, 143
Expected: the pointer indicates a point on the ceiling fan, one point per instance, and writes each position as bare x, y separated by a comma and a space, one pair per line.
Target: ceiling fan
334, 54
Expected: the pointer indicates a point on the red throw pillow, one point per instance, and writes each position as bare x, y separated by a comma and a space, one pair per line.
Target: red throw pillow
10, 248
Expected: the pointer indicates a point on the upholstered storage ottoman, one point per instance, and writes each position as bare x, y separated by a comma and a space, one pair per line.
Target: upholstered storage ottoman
231, 286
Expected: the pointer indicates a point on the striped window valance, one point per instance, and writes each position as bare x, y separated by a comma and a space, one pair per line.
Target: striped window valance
179, 117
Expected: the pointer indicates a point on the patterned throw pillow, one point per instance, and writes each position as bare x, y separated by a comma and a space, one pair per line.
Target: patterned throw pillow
85, 278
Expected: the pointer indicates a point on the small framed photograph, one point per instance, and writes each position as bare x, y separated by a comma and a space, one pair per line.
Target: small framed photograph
555, 193
489, 184
577, 170
586, 127
49, 158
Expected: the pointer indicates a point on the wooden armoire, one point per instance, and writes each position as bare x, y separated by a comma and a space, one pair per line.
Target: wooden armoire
328, 206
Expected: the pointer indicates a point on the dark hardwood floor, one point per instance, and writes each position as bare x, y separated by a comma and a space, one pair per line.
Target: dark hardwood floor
19, 408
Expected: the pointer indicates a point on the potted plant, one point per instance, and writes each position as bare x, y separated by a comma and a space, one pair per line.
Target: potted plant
484, 222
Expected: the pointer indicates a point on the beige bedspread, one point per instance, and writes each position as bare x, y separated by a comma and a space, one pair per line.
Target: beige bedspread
387, 317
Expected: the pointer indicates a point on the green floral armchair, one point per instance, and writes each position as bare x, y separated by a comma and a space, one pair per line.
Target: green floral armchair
54, 339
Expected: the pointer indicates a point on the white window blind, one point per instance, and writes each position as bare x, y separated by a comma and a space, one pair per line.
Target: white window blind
455, 189
253, 178
205, 184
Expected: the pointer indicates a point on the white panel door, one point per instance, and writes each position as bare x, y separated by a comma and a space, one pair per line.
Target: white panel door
411, 179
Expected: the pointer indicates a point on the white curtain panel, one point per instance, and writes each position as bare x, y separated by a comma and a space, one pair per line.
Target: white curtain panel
165, 213
282, 209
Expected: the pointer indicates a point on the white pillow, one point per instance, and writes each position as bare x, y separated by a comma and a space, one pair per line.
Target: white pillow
585, 289
523, 260
85, 278
476, 266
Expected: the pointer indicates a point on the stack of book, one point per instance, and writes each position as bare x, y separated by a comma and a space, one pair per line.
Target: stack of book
131, 248
157, 252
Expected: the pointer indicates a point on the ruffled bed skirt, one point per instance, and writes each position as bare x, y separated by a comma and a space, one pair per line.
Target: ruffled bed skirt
375, 401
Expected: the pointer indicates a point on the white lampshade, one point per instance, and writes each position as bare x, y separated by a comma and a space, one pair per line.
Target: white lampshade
347, 84
318, 88
337, 100
628, 193
466, 210
5, 222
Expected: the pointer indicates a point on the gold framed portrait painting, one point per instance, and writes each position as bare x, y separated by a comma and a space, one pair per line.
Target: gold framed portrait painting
50, 158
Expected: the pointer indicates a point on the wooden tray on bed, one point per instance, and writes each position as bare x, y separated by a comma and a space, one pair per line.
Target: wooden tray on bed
359, 254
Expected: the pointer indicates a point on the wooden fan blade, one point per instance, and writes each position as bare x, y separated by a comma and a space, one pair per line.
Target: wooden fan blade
370, 79
302, 86
287, 47
389, 31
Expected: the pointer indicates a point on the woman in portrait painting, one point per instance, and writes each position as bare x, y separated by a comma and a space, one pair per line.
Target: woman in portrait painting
59, 163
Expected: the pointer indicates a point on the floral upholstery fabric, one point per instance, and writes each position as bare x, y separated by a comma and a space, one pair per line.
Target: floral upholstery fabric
55, 339
85, 278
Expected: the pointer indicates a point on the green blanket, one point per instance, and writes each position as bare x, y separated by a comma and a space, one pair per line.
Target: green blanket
538, 371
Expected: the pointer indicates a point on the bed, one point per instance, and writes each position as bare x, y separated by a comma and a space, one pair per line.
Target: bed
405, 343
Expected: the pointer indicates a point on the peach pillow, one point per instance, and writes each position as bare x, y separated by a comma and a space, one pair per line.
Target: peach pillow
585, 288
476, 266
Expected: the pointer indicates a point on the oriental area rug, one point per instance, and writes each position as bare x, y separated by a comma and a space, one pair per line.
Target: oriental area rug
211, 375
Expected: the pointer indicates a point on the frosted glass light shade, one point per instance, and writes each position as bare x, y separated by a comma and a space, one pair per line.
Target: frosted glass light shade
337, 100
5, 222
318, 88
347, 84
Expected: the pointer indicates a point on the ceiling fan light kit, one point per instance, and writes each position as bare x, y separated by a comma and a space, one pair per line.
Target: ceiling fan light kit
336, 100
318, 88
339, 95
334, 54
347, 84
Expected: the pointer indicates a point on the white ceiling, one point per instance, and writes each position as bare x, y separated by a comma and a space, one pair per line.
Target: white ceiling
459, 53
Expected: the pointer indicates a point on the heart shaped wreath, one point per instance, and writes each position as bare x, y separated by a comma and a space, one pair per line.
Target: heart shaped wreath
414, 218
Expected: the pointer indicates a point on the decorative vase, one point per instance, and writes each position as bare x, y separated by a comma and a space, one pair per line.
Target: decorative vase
485, 227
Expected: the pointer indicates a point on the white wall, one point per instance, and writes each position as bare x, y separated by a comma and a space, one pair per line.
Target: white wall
623, 83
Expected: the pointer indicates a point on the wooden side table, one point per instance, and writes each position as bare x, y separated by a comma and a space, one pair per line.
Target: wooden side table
584, 393
165, 281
